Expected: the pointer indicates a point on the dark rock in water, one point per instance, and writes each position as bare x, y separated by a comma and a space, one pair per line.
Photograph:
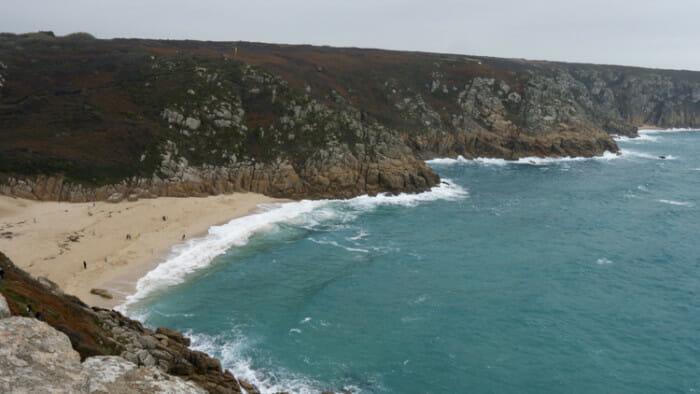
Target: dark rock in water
173, 335
662, 157
249, 387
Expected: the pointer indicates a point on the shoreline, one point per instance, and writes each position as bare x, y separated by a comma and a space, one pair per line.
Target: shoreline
52, 239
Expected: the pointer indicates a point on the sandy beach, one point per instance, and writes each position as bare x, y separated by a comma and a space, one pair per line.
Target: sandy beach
53, 239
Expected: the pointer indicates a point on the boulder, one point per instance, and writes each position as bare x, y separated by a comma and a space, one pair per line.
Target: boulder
173, 335
102, 293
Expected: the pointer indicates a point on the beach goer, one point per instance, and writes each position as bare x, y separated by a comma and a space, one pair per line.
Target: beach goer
29, 310
163, 218
38, 315
84, 264
128, 236
183, 237
2, 273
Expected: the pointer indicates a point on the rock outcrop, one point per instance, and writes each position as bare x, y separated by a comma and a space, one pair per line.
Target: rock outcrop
118, 354
35, 357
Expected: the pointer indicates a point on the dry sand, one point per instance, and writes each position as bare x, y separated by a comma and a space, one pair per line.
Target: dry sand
52, 239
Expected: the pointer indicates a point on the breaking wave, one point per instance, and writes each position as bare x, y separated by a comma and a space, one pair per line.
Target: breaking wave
676, 203
531, 160
641, 138
671, 130
231, 349
198, 253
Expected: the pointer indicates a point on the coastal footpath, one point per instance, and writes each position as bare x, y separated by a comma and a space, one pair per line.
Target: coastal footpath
83, 119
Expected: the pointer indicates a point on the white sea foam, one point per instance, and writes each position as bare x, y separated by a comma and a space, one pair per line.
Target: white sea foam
677, 203
446, 190
603, 261
531, 160
671, 130
421, 299
641, 155
231, 352
640, 138
447, 160
359, 236
333, 243
198, 253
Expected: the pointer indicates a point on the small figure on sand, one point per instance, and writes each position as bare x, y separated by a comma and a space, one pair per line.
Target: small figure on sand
38, 315
29, 310
128, 236
183, 237
84, 264
163, 218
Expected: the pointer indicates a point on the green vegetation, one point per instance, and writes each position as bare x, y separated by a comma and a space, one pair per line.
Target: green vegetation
102, 111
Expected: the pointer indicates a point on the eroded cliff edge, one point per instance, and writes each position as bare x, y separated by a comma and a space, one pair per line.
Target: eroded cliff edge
84, 119
71, 347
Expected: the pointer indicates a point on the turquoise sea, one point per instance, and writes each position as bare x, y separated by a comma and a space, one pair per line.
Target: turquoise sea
542, 275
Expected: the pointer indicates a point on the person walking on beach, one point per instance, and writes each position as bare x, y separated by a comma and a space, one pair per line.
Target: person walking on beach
183, 237
84, 264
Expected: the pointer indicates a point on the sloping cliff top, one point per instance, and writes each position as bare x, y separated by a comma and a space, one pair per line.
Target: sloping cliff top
192, 117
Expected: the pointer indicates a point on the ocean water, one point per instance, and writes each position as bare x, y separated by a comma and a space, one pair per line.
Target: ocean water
542, 275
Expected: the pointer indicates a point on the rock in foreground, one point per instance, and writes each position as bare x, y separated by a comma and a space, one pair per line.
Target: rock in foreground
35, 357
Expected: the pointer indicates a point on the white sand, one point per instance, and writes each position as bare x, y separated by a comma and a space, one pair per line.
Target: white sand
36, 236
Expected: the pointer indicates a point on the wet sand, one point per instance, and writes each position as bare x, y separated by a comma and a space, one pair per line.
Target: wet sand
52, 239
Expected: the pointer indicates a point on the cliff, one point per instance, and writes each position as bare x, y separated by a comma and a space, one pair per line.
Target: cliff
118, 354
84, 119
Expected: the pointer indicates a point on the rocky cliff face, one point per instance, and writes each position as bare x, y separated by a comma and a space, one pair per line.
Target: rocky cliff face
151, 124
84, 119
34, 357
118, 354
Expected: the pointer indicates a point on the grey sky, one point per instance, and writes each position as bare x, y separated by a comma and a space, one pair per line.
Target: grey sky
646, 33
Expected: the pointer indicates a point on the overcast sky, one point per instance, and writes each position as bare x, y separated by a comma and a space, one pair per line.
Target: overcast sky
660, 33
